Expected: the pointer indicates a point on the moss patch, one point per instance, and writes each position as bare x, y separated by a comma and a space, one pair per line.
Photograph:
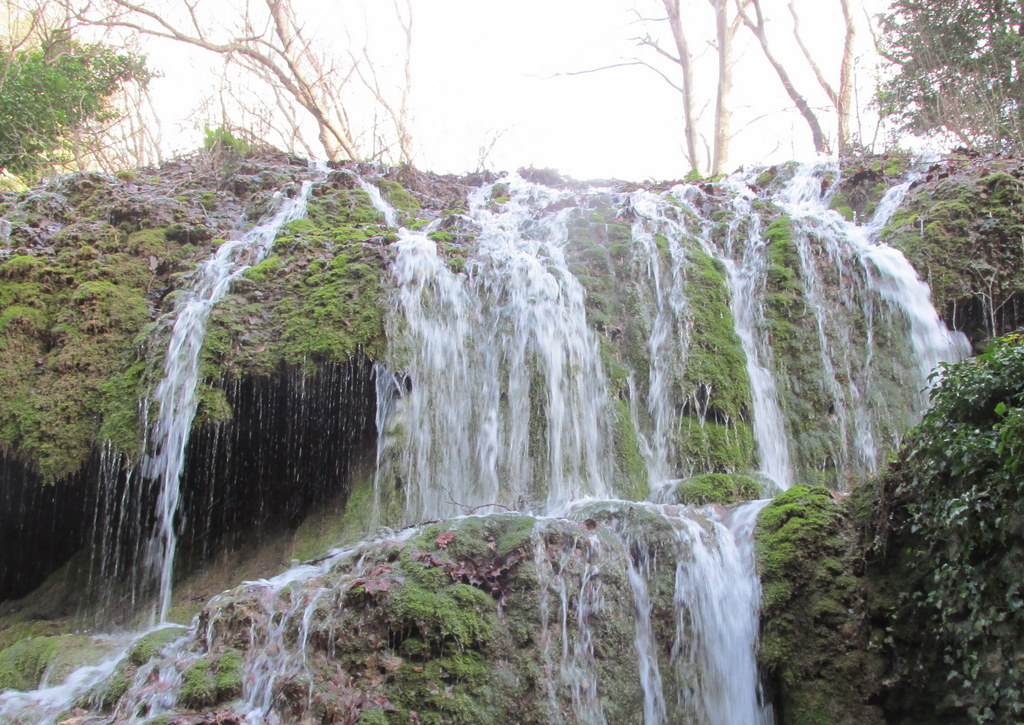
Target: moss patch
714, 432
314, 299
813, 644
717, 488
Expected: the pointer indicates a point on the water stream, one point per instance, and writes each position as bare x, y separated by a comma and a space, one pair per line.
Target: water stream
175, 394
507, 351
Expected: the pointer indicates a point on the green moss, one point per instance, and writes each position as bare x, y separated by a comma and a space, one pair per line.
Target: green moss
59, 349
716, 370
457, 264
148, 242
208, 200
896, 165
397, 197
227, 679
197, 689
122, 394
452, 689
108, 692
962, 228
316, 297
714, 429
813, 645
717, 488
838, 204
21, 267
457, 614
149, 645
23, 663
630, 467
212, 405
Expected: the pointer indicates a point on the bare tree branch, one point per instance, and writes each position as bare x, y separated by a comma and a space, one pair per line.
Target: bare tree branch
277, 48
756, 25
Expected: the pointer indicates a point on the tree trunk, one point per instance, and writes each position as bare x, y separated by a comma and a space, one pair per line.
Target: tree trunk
685, 60
844, 99
724, 32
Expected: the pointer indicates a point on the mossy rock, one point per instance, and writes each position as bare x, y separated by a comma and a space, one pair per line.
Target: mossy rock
716, 488
315, 299
212, 680
149, 645
814, 645
23, 663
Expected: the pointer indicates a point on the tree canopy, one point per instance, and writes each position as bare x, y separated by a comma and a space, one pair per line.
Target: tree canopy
959, 67
49, 93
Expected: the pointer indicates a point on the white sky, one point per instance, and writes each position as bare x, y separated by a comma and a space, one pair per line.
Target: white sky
484, 69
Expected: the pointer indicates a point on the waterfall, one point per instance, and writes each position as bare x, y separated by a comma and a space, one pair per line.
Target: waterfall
717, 595
507, 390
175, 393
743, 256
847, 274
514, 375
667, 343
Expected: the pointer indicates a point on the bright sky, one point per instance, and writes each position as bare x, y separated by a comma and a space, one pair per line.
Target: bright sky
484, 70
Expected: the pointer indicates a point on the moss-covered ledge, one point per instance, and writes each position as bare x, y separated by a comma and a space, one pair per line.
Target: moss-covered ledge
87, 265
317, 296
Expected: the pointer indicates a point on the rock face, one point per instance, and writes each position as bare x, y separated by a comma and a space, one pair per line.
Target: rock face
593, 617
418, 347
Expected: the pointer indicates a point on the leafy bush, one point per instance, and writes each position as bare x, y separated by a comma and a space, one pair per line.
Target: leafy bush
951, 514
48, 93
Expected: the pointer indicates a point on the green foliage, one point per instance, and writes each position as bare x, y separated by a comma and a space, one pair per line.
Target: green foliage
221, 141
950, 519
49, 93
957, 71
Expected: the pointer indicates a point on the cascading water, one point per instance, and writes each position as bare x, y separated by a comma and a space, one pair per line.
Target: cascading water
175, 394
667, 342
850, 281
743, 256
717, 596
508, 392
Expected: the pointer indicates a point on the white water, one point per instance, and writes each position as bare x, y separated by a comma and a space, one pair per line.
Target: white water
487, 352
845, 270
42, 706
668, 341
718, 598
390, 217
175, 394
743, 257
715, 602
745, 262
567, 642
